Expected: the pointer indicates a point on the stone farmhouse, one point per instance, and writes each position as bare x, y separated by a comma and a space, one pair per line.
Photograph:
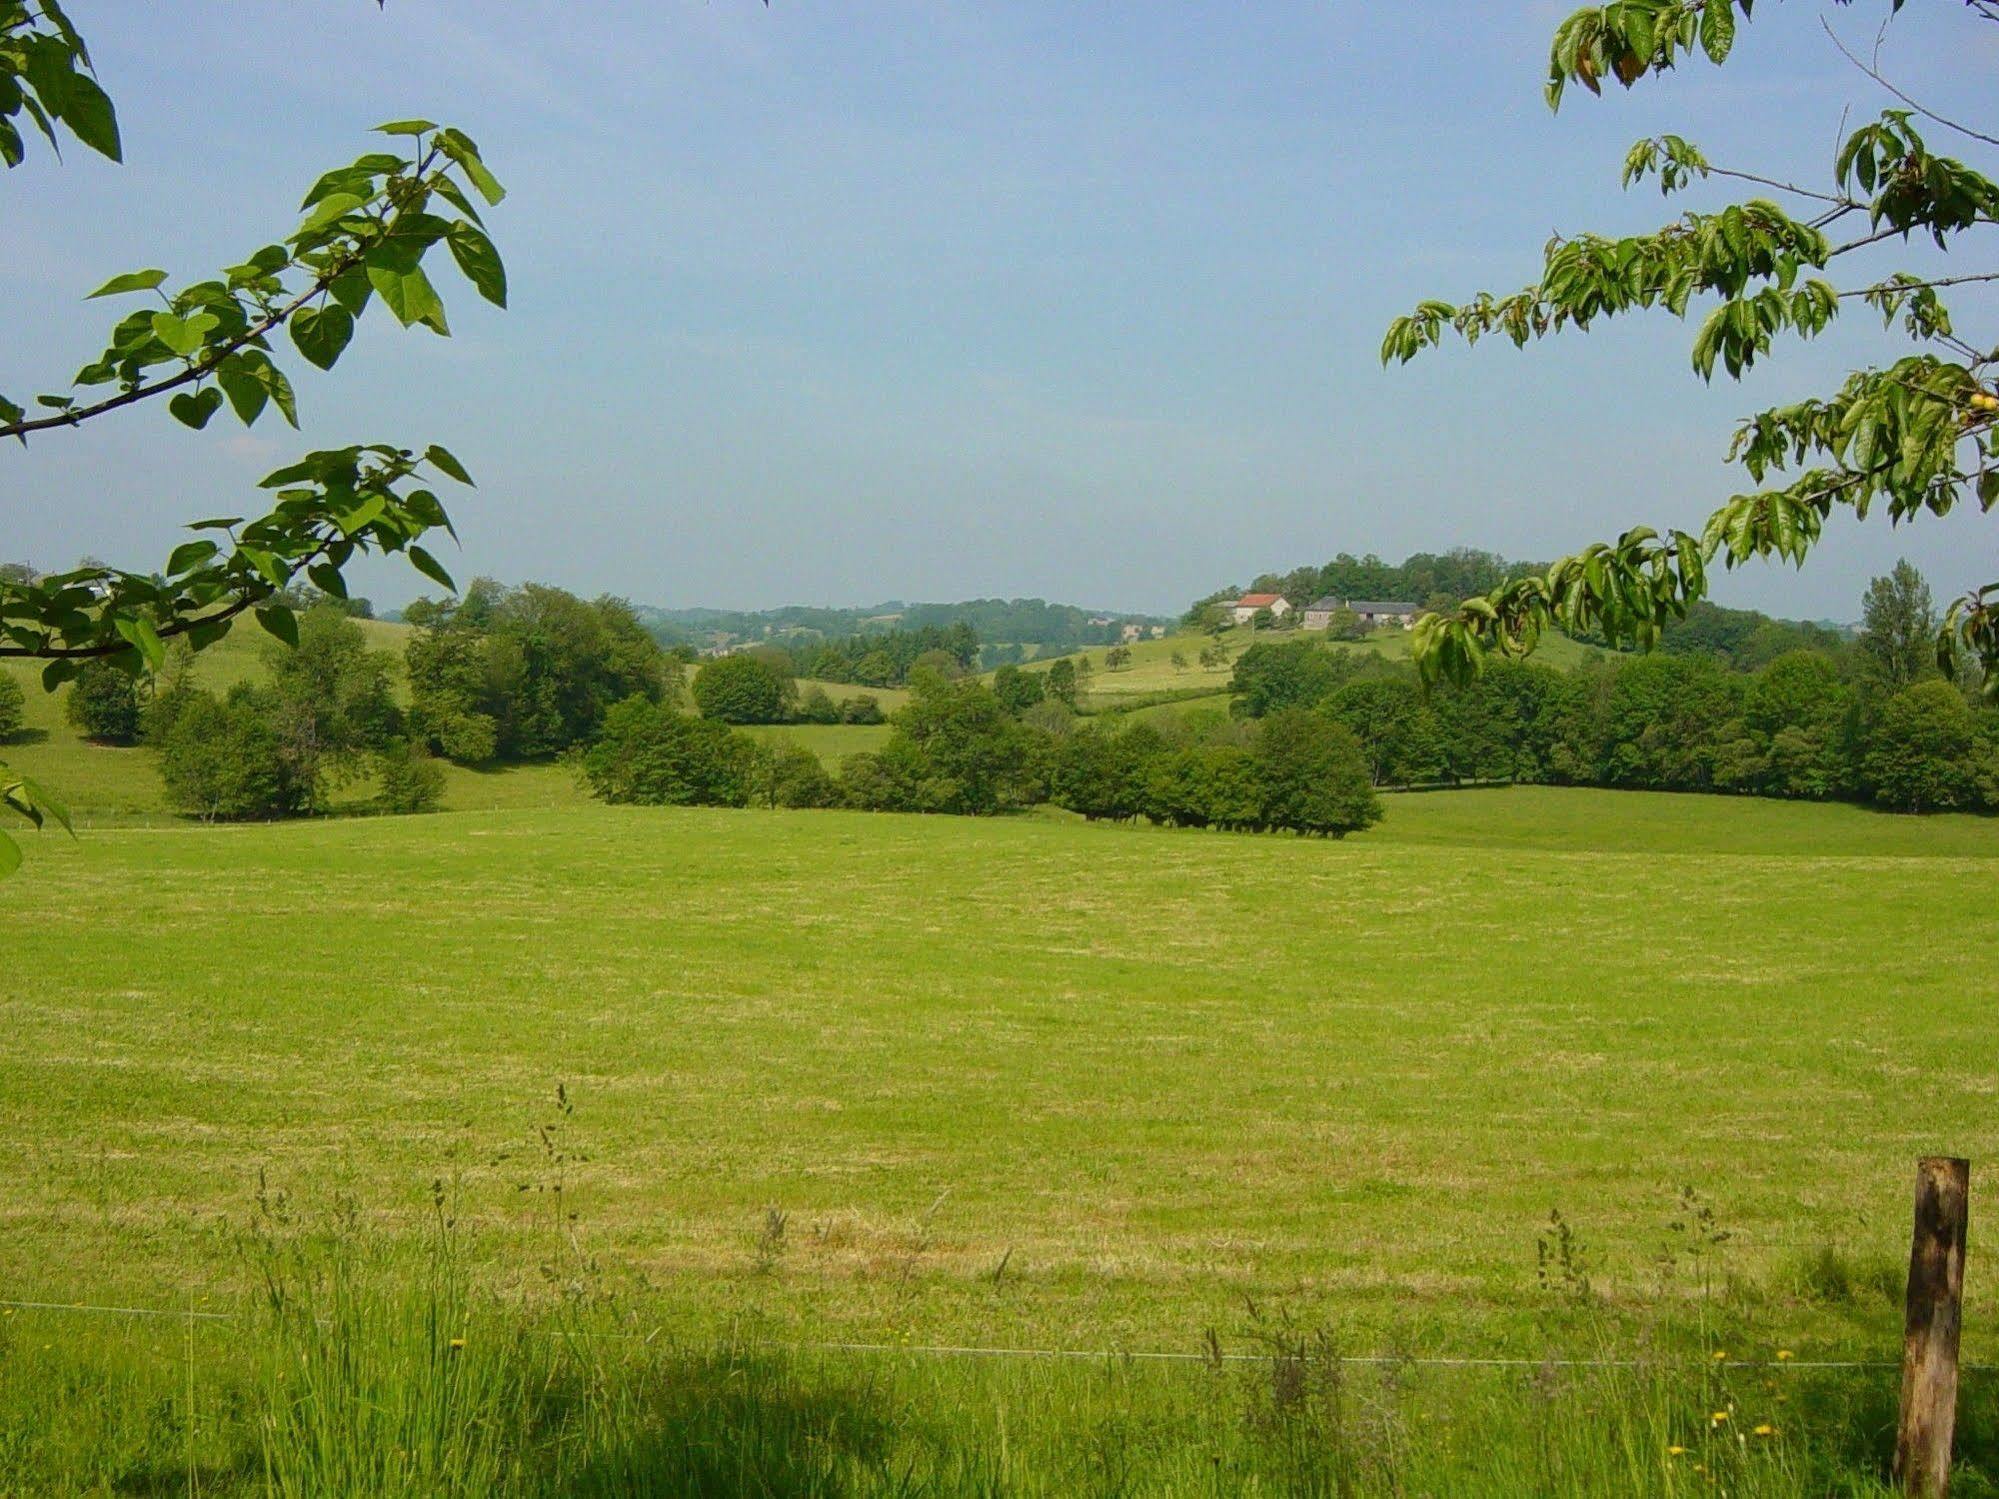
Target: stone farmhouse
1374, 613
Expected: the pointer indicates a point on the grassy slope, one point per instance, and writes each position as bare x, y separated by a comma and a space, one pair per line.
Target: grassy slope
1152, 669
1153, 1070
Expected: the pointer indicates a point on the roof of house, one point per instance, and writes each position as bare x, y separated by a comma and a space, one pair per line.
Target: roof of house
1379, 606
1258, 600
1325, 605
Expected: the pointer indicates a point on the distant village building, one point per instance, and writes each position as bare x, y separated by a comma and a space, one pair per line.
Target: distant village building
1373, 613
1246, 608
1129, 633
1159, 632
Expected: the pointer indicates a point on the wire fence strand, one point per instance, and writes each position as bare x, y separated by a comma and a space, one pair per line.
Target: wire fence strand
1096, 1355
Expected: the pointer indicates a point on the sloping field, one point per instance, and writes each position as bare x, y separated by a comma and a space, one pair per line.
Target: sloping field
1023, 1080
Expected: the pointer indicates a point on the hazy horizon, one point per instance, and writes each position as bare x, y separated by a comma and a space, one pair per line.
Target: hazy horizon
1077, 305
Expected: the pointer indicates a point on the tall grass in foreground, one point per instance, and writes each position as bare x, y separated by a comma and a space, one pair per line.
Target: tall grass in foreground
364, 1366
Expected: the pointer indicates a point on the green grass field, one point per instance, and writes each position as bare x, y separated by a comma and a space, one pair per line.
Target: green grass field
1151, 668
1152, 1070
1020, 1083
1030, 1082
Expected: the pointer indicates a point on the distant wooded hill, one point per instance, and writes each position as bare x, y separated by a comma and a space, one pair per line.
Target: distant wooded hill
1015, 621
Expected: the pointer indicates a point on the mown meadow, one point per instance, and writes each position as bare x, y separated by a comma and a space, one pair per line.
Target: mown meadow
728, 1083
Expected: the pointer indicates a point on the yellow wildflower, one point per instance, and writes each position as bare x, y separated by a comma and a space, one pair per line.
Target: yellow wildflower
1720, 1354
1766, 1430
1783, 1355
1718, 1418
457, 1343
1676, 1452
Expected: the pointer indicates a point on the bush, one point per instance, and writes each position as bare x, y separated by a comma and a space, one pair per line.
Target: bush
411, 781
816, 707
740, 689
223, 759
13, 708
104, 704
792, 776
863, 707
651, 755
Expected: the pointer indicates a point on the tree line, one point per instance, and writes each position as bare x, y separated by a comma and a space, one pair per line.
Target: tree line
959, 748
1871, 719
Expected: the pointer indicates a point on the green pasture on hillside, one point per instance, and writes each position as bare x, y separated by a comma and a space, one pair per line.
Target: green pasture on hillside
1020, 1081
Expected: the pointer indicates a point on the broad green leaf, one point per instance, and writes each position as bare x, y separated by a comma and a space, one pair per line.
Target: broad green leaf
10, 854
431, 568
193, 408
363, 514
322, 333
130, 281
40, 795
480, 262
409, 295
441, 459
332, 207
190, 555
139, 633
405, 127
184, 335
279, 621
245, 387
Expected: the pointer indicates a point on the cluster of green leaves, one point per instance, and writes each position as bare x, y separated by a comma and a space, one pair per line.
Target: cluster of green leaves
45, 75
367, 231
1920, 435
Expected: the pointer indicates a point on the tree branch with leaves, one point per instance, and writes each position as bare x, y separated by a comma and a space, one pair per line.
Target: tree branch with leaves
1915, 436
367, 232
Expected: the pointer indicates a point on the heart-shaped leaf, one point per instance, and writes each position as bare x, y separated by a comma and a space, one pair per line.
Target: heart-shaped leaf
193, 408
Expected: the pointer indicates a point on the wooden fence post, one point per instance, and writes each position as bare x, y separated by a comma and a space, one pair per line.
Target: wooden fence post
1930, 1329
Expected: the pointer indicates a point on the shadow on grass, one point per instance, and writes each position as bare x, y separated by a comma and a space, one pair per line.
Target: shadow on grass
721, 1425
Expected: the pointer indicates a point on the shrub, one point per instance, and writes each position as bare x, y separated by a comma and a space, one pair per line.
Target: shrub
863, 707
224, 758
794, 777
739, 689
13, 708
104, 703
652, 755
411, 781
814, 706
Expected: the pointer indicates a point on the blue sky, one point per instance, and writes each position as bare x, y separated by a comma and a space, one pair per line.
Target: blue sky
832, 304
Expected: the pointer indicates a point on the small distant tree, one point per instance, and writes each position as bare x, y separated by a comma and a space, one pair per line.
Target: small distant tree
1061, 682
1117, 658
1018, 690
1898, 627
104, 703
1085, 674
875, 669
1347, 625
1926, 753
1263, 619
13, 708
224, 759
1314, 778
862, 708
1179, 660
411, 781
790, 775
739, 689
815, 706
